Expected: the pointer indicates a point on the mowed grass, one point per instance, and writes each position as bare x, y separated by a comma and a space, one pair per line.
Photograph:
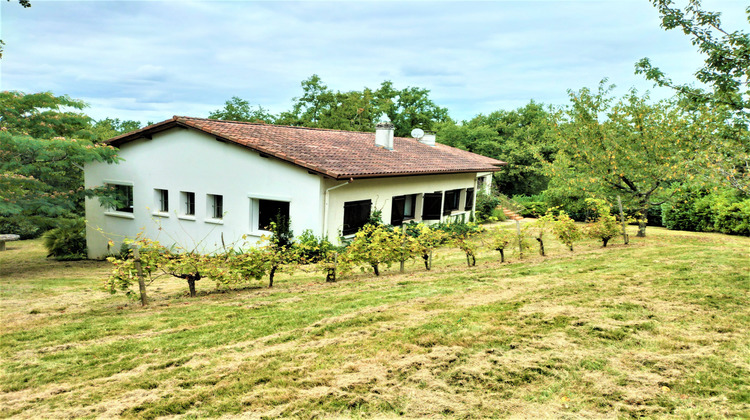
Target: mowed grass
656, 328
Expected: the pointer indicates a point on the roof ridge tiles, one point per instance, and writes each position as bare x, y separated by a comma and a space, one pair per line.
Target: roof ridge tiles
296, 127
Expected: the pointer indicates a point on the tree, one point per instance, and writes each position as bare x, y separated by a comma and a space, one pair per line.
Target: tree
43, 115
237, 109
41, 166
605, 226
321, 107
409, 108
635, 150
725, 72
111, 127
518, 137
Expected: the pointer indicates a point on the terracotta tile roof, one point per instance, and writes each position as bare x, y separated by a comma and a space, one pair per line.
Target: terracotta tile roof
338, 154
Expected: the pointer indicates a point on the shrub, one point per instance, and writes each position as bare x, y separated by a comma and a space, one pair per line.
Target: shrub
21, 227
605, 226
311, 249
566, 230
734, 219
486, 204
67, 241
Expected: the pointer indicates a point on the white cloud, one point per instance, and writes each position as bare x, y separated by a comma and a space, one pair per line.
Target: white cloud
151, 60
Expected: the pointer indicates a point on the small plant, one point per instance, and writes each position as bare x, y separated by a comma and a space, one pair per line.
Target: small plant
426, 240
67, 241
460, 234
542, 225
605, 226
500, 240
566, 230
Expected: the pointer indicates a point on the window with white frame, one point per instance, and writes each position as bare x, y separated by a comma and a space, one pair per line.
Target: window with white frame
123, 197
215, 206
402, 208
187, 203
161, 200
271, 211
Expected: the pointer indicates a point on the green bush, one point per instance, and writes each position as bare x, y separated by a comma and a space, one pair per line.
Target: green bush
20, 226
67, 241
486, 204
698, 210
734, 219
311, 249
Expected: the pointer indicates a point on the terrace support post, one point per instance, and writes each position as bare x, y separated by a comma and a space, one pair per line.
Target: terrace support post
139, 270
622, 219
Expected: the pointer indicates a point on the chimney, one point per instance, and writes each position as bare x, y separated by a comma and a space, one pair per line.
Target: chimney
384, 135
428, 138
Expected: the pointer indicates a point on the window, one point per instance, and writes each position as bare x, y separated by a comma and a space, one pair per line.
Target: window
187, 203
161, 198
269, 211
356, 215
124, 197
469, 199
451, 201
431, 206
402, 208
215, 206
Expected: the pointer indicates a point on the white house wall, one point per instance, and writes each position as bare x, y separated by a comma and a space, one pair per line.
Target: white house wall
382, 190
187, 160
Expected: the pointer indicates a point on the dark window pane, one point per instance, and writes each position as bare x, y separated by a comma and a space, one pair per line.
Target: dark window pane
125, 198
409, 205
397, 210
218, 206
469, 199
451, 201
431, 206
356, 215
268, 210
164, 201
190, 204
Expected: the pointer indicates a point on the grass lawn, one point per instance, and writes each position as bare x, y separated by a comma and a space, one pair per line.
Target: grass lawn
656, 328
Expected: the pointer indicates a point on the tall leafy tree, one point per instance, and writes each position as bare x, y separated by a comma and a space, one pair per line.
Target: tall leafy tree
111, 127
632, 148
519, 137
409, 108
43, 148
321, 107
726, 74
238, 109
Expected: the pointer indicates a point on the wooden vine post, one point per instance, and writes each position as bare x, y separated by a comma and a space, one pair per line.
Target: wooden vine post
139, 271
520, 239
622, 219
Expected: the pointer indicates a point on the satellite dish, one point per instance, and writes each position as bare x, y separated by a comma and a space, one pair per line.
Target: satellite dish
417, 133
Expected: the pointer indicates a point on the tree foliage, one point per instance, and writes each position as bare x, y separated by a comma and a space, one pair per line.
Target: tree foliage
632, 148
358, 110
519, 137
237, 109
43, 147
725, 153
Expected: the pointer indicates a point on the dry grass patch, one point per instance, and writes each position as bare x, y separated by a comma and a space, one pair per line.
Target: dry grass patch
656, 328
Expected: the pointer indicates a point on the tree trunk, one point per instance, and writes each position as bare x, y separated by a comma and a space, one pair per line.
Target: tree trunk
622, 220
191, 285
642, 220
375, 269
271, 274
570, 245
604, 242
541, 246
426, 258
502, 255
331, 272
139, 270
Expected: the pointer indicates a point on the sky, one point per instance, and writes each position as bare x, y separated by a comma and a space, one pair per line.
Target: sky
150, 60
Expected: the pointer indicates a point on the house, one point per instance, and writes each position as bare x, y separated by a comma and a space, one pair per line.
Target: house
199, 183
